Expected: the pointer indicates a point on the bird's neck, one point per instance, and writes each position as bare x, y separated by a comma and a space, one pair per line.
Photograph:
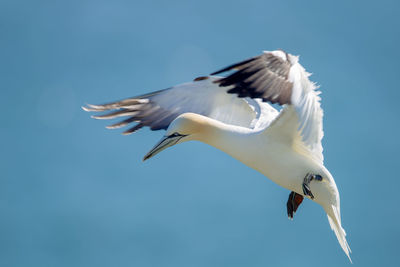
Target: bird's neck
228, 138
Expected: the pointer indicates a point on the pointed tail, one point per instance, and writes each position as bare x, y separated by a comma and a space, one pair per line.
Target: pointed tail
334, 221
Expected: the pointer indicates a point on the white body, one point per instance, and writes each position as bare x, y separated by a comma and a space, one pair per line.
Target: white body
285, 146
285, 163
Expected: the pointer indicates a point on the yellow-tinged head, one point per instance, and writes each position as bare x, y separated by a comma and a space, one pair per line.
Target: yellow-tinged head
186, 127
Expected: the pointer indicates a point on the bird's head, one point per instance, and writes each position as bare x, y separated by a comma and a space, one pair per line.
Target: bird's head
184, 128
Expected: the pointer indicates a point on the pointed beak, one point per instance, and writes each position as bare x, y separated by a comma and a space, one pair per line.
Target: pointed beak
165, 142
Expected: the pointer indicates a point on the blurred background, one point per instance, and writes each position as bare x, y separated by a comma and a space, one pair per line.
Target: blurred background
75, 194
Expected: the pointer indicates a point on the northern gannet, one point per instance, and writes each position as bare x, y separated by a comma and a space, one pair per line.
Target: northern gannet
232, 114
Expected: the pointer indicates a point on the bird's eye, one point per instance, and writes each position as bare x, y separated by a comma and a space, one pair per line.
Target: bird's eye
175, 134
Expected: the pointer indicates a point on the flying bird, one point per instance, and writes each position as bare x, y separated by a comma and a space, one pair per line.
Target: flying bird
234, 114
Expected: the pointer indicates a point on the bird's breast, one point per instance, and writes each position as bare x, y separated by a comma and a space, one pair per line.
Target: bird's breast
280, 161
277, 161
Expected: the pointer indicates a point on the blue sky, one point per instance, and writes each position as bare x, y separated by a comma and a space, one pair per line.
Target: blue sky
75, 194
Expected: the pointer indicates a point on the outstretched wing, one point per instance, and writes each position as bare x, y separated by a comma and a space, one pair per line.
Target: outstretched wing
277, 77
202, 96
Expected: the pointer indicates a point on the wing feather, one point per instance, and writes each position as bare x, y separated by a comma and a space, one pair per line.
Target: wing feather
202, 96
274, 77
277, 77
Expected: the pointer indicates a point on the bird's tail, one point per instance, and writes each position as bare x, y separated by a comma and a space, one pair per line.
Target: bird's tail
335, 223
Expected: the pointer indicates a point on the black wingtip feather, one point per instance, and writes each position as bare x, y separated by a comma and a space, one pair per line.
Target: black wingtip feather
234, 66
265, 77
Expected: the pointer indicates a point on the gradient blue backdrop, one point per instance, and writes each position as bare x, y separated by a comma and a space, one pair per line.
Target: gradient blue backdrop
75, 194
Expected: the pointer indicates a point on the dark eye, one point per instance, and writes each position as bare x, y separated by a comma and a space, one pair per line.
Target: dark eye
175, 134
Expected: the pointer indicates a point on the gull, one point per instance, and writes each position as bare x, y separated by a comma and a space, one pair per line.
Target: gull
234, 114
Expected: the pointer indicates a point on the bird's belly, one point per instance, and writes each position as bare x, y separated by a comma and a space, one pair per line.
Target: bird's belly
286, 172
281, 164
279, 161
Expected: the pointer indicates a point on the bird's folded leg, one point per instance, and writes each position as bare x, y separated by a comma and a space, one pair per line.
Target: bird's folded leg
293, 203
317, 177
307, 191
306, 183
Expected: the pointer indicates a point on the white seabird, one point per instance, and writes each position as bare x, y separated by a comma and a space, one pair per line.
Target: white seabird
232, 114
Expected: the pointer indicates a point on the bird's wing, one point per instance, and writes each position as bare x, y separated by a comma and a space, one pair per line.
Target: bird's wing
202, 96
277, 77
